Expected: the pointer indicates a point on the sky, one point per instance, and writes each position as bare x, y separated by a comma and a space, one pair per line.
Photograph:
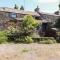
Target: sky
48, 6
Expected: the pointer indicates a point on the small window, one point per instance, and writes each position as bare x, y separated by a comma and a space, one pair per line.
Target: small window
7, 14
38, 18
21, 15
13, 15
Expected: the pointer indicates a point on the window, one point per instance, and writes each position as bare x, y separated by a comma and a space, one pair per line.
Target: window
13, 15
38, 18
21, 15
7, 14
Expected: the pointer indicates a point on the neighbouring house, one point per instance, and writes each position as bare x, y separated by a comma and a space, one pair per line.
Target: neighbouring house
10, 16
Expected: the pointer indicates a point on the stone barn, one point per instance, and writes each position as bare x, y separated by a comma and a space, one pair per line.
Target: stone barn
13, 17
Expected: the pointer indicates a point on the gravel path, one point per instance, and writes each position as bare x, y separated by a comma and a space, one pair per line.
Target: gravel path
30, 52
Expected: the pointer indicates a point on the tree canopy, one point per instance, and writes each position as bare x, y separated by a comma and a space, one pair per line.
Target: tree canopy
36, 9
16, 7
21, 8
29, 24
57, 25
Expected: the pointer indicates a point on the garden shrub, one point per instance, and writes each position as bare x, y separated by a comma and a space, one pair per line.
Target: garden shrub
18, 38
28, 39
57, 24
13, 34
24, 39
58, 37
3, 37
48, 40
45, 40
28, 25
12, 37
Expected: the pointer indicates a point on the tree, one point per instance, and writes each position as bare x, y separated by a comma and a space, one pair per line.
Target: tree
59, 8
28, 24
15, 7
37, 9
57, 13
57, 24
22, 8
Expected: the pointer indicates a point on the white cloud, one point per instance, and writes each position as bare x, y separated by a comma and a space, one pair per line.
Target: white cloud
47, 1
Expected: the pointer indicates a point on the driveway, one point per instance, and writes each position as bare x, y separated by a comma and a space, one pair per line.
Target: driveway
30, 51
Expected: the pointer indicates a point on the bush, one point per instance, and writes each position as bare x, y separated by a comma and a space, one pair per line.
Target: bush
24, 39
28, 39
3, 37
17, 38
12, 37
57, 24
58, 37
28, 24
45, 40
13, 34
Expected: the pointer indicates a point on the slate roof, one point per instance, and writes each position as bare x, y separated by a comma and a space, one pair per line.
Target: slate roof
5, 9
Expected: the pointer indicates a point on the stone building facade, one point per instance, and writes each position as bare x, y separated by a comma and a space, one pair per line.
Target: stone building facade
49, 17
10, 16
